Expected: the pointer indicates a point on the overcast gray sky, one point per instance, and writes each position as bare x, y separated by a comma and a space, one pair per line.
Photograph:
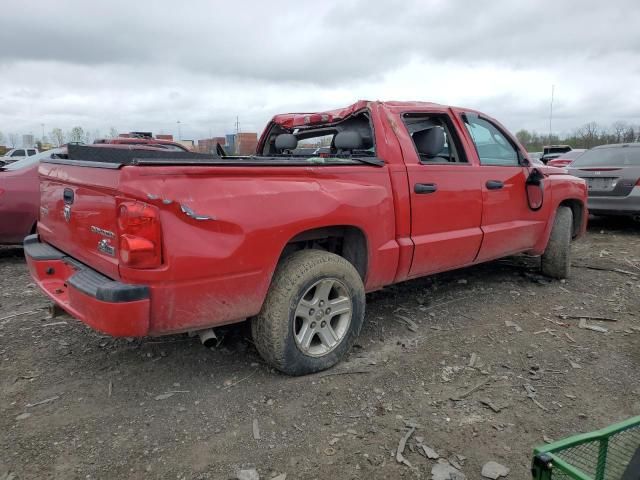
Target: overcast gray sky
143, 65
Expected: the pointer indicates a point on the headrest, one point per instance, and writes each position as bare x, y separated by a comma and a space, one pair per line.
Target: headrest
348, 140
286, 141
429, 142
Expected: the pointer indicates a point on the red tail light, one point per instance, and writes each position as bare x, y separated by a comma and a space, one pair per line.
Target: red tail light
140, 237
638, 183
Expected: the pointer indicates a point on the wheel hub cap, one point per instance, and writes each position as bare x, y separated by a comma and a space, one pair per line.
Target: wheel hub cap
322, 317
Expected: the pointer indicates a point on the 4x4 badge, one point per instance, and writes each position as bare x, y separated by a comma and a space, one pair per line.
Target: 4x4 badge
67, 213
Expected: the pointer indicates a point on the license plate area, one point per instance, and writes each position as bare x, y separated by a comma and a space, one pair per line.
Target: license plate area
602, 184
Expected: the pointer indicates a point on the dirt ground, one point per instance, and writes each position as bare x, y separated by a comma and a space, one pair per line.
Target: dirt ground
77, 404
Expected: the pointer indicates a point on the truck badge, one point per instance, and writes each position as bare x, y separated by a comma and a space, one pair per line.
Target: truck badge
67, 213
102, 231
105, 247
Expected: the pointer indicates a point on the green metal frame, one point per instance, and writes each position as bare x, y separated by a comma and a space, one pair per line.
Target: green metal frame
546, 460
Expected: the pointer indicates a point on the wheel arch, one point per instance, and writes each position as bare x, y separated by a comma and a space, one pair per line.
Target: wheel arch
348, 241
578, 209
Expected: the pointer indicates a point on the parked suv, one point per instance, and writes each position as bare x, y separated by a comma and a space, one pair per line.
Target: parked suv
16, 154
550, 152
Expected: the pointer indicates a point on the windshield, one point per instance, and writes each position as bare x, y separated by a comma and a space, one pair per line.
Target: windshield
612, 156
32, 160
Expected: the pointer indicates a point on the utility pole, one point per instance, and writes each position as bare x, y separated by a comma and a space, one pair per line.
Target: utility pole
237, 125
179, 132
551, 113
42, 138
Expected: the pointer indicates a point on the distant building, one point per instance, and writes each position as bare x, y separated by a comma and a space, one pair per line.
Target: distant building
246, 143
230, 144
28, 141
208, 145
165, 137
190, 144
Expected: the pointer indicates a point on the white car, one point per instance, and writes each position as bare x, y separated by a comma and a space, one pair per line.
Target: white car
16, 154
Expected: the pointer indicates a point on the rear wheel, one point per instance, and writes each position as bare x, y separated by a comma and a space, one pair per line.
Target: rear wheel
312, 314
556, 259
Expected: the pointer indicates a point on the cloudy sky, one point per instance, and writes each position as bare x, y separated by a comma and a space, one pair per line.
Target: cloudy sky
144, 65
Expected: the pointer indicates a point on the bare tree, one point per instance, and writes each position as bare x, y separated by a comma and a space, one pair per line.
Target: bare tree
619, 128
76, 135
57, 136
113, 132
524, 137
13, 139
588, 133
1, 138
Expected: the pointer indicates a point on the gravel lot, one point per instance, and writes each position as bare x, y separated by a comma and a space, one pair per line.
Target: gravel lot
77, 404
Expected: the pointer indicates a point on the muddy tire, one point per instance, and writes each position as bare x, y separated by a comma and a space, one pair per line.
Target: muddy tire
312, 314
556, 259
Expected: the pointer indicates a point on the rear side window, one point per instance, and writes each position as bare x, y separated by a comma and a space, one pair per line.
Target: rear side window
18, 153
31, 152
609, 157
356, 132
492, 145
452, 152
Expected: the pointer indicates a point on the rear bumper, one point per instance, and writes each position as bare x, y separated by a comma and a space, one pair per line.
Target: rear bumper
118, 309
628, 205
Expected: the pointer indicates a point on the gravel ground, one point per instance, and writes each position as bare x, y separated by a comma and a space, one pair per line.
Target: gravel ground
77, 404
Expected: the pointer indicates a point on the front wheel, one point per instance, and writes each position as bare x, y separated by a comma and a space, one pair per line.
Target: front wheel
556, 259
312, 314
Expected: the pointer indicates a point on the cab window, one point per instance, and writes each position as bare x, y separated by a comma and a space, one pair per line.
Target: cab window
493, 147
418, 124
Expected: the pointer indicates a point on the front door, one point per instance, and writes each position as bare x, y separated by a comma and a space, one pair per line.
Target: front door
446, 203
508, 223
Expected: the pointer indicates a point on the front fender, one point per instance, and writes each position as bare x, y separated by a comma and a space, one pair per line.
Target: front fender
570, 191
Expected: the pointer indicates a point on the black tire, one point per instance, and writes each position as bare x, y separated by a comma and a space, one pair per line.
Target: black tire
556, 259
273, 328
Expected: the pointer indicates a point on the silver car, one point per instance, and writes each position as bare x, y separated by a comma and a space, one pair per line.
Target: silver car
612, 173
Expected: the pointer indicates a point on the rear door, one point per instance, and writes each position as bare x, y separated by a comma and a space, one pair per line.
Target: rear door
508, 224
446, 203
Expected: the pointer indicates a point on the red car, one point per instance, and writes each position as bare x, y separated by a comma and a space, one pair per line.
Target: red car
567, 158
20, 197
171, 242
143, 139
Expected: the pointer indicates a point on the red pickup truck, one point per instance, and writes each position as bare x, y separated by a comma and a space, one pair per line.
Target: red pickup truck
152, 243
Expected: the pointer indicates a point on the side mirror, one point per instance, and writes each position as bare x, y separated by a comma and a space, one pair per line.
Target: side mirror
535, 189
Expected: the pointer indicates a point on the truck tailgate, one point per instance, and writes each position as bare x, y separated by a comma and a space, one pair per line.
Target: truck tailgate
78, 213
